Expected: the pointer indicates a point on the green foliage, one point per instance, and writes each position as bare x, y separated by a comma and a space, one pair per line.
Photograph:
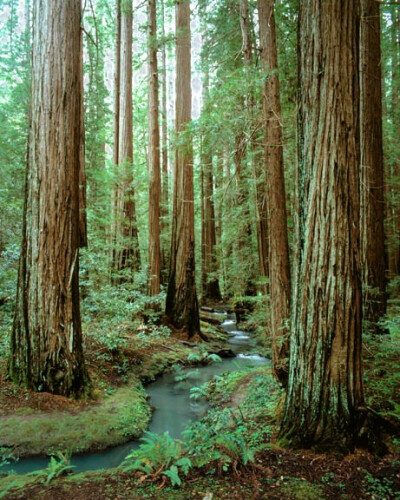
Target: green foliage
59, 465
378, 488
203, 357
382, 368
159, 455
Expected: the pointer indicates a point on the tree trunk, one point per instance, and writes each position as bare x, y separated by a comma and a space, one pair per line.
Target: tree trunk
262, 219
372, 172
154, 157
126, 253
325, 381
46, 341
182, 306
209, 277
279, 263
243, 198
251, 107
164, 224
394, 166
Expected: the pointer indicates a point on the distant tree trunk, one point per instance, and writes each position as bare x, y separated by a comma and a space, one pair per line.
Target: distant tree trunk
82, 174
372, 172
115, 224
325, 390
46, 340
182, 306
126, 254
394, 167
261, 207
154, 157
164, 226
262, 219
279, 263
210, 284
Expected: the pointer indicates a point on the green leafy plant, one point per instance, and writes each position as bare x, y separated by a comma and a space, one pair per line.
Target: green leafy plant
379, 488
159, 455
59, 465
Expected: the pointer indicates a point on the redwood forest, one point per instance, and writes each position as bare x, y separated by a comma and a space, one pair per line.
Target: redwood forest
199, 249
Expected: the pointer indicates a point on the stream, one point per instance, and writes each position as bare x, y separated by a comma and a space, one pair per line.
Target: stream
171, 399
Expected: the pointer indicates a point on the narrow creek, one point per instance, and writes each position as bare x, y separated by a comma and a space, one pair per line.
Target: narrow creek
171, 399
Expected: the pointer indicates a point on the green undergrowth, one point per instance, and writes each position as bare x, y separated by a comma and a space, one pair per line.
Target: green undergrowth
247, 402
121, 415
243, 416
381, 356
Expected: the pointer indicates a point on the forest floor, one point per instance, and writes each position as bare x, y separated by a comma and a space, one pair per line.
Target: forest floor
116, 409
245, 409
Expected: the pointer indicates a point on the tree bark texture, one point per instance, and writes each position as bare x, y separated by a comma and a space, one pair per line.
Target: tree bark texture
154, 157
46, 340
126, 253
279, 263
325, 381
182, 306
372, 170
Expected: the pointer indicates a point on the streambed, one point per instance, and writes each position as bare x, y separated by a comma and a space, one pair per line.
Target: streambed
171, 399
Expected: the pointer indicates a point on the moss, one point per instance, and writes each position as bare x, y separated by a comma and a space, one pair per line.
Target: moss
296, 489
119, 417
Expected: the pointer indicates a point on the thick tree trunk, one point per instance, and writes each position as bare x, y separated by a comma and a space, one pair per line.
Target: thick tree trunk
182, 306
126, 253
279, 263
46, 341
325, 381
372, 171
154, 157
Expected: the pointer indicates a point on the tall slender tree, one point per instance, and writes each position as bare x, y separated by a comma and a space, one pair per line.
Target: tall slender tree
164, 222
126, 252
279, 263
252, 110
372, 171
154, 156
393, 198
325, 391
46, 340
209, 278
182, 306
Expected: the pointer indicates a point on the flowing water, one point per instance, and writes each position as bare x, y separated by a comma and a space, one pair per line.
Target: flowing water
173, 407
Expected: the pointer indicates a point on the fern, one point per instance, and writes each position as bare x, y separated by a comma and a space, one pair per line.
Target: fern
173, 474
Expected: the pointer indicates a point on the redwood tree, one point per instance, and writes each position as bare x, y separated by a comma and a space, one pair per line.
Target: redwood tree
209, 266
164, 209
279, 264
372, 178
154, 156
126, 241
46, 340
182, 305
325, 390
